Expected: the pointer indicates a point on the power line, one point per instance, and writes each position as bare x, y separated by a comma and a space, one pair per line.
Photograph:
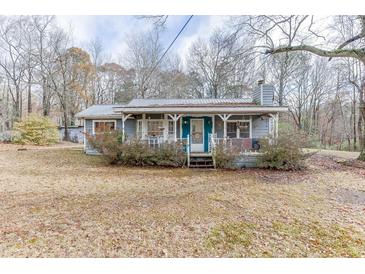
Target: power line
173, 41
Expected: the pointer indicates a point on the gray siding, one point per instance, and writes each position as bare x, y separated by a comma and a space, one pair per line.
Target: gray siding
260, 128
75, 133
256, 95
267, 96
218, 126
129, 127
247, 161
89, 130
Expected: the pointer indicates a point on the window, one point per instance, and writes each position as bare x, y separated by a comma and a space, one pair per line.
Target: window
232, 129
171, 127
103, 126
155, 128
238, 129
244, 129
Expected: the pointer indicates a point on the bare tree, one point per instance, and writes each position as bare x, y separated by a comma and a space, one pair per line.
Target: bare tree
29, 57
44, 29
282, 67
144, 50
304, 36
12, 61
159, 21
218, 64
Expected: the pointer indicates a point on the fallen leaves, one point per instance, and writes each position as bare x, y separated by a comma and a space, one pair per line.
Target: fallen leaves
62, 203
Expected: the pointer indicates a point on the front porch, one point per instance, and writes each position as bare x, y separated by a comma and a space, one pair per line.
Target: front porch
199, 134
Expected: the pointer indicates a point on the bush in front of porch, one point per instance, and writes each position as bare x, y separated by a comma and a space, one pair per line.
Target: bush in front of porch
224, 156
136, 152
284, 152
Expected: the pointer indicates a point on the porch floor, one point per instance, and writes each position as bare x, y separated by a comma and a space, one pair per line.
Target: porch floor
200, 154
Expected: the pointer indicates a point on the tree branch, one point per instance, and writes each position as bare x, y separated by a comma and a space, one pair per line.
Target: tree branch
353, 53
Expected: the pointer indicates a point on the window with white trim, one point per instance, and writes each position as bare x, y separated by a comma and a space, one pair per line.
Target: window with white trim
103, 126
155, 128
238, 129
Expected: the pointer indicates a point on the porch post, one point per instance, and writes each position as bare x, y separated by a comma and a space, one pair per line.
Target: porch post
277, 125
224, 117
175, 129
124, 118
175, 118
123, 127
275, 129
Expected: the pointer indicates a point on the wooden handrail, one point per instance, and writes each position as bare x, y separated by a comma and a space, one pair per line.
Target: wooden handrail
188, 149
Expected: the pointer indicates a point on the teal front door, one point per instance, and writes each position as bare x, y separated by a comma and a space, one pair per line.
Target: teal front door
198, 129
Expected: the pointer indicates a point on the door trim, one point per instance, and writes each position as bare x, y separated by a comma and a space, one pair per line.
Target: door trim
203, 135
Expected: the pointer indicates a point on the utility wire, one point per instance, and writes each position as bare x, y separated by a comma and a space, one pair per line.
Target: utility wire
173, 41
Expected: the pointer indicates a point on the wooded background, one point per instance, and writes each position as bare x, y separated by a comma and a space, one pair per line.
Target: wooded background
316, 65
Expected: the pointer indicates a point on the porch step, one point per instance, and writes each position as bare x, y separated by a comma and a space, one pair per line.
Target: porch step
203, 161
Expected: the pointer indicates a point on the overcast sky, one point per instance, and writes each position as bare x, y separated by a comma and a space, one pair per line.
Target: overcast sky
113, 30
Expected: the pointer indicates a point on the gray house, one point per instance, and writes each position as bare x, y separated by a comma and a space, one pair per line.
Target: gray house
201, 123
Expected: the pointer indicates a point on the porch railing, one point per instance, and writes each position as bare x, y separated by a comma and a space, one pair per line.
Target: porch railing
158, 141
240, 144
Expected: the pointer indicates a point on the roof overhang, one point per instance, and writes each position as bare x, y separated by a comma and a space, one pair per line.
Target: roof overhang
114, 116
202, 110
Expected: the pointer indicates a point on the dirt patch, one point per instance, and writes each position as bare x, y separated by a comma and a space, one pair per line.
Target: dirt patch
326, 162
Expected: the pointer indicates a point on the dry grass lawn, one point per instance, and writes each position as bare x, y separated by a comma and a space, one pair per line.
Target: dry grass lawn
62, 203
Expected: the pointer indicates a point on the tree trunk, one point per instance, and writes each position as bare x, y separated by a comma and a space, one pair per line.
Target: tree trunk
17, 103
66, 136
65, 113
362, 112
354, 121
29, 96
281, 92
45, 99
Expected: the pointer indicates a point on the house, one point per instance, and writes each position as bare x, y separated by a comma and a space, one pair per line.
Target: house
202, 123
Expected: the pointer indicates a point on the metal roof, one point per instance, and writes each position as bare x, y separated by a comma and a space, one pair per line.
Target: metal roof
136, 106
238, 109
99, 111
188, 102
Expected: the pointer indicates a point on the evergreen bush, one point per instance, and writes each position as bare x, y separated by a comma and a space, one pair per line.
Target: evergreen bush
36, 130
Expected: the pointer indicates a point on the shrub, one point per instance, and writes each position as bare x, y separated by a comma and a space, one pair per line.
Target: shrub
136, 152
285, 152
108, 144
169, 155
36, 130
224, 156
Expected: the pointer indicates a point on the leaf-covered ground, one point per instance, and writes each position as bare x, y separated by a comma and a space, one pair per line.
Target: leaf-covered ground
62, 203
